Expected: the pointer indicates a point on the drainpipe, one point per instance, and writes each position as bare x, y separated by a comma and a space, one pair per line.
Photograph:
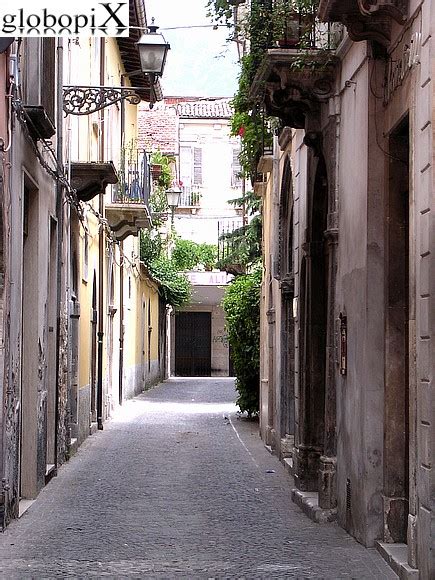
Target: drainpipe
121, 272
121, 323
100, 331
59, 217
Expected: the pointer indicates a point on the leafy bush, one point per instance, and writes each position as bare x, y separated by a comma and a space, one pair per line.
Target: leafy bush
242, 308
176, 288
187, 255
151, 246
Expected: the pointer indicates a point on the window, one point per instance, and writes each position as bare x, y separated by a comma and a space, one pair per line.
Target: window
191, 165
236, 169
197, 166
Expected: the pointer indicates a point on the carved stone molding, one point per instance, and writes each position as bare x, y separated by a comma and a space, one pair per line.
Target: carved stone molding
365, 19
91, 178
292, 85
287, 285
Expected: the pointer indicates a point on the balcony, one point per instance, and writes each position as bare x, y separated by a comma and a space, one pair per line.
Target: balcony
365, 19
294, 78
128, 211
190, 197
90, 179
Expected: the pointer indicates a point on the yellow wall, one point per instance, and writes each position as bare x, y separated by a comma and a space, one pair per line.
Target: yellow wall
83, 143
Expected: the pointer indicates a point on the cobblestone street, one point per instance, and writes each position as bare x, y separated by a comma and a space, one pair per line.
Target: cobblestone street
177, 486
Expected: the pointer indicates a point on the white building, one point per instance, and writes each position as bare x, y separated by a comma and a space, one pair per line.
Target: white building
197, 133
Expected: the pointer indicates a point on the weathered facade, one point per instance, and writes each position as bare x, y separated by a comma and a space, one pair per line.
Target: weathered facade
82, 322
34, 307
347, 301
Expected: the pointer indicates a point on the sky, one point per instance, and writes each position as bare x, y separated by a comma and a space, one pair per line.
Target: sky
200, 63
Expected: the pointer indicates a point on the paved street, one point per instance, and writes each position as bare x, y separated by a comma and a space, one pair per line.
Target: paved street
176, 486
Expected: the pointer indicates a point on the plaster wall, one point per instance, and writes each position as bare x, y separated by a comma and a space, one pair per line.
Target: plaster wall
30, 353
360, 297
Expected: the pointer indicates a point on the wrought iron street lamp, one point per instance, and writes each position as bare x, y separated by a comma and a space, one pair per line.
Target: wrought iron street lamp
153, 50
173, 196
84, 100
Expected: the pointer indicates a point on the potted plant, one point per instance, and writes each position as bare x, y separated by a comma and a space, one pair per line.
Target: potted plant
293, 22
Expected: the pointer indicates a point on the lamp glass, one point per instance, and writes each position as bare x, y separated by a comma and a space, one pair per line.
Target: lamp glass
173, 196
152, 52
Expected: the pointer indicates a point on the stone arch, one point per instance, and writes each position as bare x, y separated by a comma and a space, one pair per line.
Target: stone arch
286, 277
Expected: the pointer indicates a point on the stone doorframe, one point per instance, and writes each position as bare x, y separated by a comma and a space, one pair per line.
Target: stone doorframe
286, 420
315, 445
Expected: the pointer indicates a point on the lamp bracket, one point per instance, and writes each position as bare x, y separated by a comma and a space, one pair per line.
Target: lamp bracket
85, 100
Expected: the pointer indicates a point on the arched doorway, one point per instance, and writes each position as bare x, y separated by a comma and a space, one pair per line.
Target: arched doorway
313, 321
287, 391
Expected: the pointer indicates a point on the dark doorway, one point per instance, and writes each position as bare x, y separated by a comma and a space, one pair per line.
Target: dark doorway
396, 399
313, 320
193, 344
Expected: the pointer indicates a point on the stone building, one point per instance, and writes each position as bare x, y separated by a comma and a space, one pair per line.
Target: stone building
82, 323
34, 355
347, 297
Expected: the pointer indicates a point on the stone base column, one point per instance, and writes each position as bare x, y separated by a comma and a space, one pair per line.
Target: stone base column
306, 467
270, 437
327, 483
395, 519
287, 446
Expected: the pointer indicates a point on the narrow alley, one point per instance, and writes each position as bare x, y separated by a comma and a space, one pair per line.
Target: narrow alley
177, 485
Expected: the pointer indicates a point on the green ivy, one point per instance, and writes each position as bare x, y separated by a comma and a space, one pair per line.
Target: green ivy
187, 255
175, 287
242, 308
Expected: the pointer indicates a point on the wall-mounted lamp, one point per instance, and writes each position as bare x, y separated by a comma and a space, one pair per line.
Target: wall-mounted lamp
153, 50
173, 196
85, 100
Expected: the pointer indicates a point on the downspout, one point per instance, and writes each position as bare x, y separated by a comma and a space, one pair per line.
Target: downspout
121, 322
100, 331
60, 220
121, 273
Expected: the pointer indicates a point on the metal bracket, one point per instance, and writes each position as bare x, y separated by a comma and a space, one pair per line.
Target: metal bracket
86, 100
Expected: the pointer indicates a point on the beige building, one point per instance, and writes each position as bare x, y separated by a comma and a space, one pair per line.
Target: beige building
347, 297
115, 310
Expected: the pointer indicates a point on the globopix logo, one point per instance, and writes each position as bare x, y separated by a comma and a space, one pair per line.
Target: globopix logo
48, 18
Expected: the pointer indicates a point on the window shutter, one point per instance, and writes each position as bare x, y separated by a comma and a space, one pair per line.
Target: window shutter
48, 77
236, 180
186, 166
197, 166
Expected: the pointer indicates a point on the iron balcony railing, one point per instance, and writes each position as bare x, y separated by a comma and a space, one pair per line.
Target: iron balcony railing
305, 32
190, 196
134, 176
225, 230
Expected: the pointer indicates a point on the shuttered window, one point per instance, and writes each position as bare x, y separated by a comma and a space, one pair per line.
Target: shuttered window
197, 166
236, 169
48, 77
